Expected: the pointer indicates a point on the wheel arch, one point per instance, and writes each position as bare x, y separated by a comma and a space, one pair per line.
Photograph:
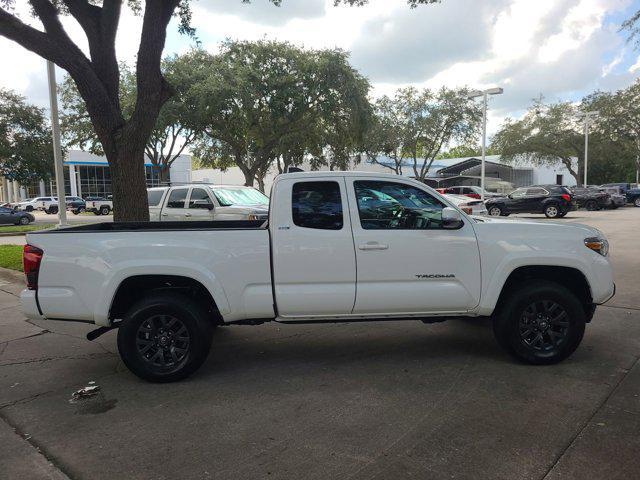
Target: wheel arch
134, 287
569, 277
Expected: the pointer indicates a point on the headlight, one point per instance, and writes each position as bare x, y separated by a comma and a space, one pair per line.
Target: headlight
597, 244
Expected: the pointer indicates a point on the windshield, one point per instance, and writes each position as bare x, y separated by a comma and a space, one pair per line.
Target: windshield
240, 196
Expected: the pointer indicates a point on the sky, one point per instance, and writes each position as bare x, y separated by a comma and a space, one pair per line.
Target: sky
560, 49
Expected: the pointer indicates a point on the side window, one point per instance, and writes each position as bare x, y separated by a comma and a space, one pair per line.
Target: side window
317, 205
521, 192
390, 205
154, 197
177, 198
536, 191
201, 196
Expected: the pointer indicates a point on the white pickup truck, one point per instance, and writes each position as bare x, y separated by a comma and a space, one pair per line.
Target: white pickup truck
205, 202
337, 247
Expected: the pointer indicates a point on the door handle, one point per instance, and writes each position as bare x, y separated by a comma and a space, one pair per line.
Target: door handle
165, 214
187, 214
373, 246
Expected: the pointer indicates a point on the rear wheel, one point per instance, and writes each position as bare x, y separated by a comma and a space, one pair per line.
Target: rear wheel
591, 205
552, 211
104, 210
164, 338
541, 323
24, 221
636, 202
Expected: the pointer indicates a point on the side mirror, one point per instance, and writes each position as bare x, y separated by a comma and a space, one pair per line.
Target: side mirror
202, 204
451, 219
510, 196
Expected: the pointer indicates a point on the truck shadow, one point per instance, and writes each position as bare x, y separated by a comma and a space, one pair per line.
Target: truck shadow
385, 344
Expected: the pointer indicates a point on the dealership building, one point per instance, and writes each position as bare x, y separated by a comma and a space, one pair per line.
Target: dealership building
500, 176
88, 175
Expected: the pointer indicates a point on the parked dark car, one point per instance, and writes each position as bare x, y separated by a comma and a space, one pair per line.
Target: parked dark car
633, 196
590, 198
76, 205
15, 217
617, 197
468, 191
622, 186
553, 200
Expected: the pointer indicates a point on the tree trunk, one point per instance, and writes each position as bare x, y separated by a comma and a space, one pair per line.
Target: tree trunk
163, 173
128, 184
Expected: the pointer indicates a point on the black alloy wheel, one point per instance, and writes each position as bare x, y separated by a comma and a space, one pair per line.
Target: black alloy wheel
543, 325
540, 323
163, 341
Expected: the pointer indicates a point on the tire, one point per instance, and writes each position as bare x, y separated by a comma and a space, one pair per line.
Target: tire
636, 202
591, 205
495, 211
523, 331
563, 214
97, 212
28, 208
24, 221
552, 210
105, 210
175, 350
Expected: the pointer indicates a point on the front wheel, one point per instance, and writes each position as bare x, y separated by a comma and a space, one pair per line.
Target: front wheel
164, 338
104, 210
552, 211
495, 211
24, 221
541, 323
636, 202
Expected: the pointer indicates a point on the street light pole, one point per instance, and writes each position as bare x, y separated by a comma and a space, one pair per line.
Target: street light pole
587, 121
484, 94
57, 151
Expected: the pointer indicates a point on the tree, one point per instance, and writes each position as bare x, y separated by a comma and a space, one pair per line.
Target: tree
546, 135
174, 129
466, 150
97, 77
26, 150
618, 122
632, 26
420, 123
387, 135
266, 102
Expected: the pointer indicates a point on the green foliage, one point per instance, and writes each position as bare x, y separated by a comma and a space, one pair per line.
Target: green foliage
11, 257
546, 135
414, 126
267, 101
462, 151
26, 151
175, 126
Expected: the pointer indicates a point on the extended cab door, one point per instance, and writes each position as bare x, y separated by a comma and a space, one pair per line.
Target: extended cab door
200, 206
407, 263
174, 207
314, 271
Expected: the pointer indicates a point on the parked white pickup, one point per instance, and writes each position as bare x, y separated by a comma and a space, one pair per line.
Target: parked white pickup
338, 247
200, 202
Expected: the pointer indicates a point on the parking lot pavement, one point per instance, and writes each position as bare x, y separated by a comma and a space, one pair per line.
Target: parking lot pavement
42, 217
353, 401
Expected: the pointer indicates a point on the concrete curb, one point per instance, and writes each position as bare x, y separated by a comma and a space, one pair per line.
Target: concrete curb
13, 234
11, 276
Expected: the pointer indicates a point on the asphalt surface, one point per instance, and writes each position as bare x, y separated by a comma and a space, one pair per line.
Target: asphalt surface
383, 400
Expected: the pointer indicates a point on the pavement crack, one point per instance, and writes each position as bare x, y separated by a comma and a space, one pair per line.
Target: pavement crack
621, 307
70, 357
588, 421
10, 293
53, 462
28, 336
